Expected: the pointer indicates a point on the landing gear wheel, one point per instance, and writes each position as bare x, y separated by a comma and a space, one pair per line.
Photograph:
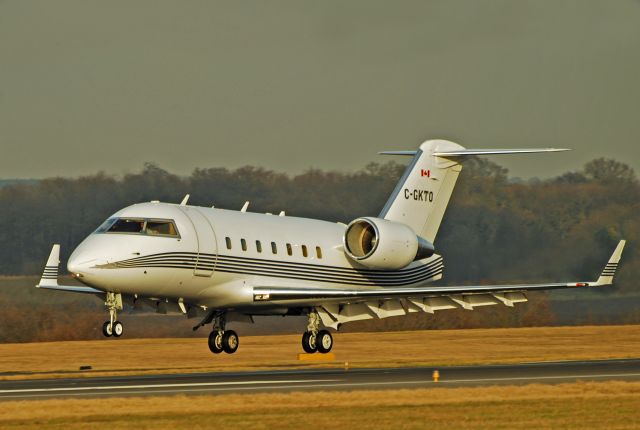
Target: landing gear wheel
309, 342
117, 329
215, 342
107, 329
324, 341
230, 341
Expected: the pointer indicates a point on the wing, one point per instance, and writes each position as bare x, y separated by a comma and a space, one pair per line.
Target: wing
344, 305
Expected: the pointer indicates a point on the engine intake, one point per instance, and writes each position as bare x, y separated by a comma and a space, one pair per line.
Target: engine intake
382, 244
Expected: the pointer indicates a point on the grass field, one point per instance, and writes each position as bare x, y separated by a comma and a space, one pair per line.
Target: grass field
438, 347
604, 405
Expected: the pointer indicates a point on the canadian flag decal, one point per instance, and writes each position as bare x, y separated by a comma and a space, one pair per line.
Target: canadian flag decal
426, 173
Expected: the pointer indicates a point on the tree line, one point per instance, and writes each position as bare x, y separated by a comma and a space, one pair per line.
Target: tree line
495, 229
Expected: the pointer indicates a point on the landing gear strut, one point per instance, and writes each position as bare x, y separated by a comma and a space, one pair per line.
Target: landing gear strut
314, 339
221, 339
113, 327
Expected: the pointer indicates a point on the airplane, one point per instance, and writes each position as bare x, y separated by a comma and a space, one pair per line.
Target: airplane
224, 265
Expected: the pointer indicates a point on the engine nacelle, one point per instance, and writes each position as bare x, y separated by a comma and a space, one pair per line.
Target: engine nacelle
381, 244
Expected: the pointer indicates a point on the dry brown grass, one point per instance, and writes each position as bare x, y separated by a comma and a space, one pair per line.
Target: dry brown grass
610, 405
439, 347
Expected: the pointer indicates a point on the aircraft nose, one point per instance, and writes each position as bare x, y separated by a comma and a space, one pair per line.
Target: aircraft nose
72, 265
79, 262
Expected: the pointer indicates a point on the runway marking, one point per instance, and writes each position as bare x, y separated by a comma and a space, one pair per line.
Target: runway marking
134, 387
251, 385
526, 378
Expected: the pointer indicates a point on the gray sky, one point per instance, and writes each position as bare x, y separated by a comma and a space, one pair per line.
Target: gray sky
289, 85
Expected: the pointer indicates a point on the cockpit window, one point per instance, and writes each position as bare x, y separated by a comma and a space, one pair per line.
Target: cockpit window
127, 225
105, 226
151, 227
161, 228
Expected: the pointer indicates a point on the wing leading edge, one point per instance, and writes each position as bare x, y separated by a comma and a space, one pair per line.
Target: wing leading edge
282, 294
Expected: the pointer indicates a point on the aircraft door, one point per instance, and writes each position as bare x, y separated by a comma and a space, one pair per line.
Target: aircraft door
207, 243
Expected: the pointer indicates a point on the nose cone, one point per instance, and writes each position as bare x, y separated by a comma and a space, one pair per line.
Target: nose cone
82, 259
79, 262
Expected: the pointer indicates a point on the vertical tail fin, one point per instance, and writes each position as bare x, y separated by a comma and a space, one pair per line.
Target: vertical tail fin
422, 194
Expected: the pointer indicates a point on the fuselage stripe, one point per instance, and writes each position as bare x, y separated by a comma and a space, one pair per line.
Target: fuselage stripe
271, 268
275, 269
301, 275
212, 258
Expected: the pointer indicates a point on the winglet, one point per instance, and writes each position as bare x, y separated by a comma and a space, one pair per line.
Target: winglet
50, 274
49, 280
606, 277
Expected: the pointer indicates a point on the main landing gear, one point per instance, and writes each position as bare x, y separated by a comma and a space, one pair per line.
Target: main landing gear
113, 327
220, 339
315, 340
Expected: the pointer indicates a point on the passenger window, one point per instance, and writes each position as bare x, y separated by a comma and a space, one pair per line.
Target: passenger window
304, 251
258, 246
228, 240
289, 250
127, 225
243, 244
318, 252
274, 248
161, 228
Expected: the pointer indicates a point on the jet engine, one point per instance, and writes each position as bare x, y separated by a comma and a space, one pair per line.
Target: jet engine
381, 244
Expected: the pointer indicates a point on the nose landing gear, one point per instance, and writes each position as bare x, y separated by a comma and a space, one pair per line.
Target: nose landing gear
113, 327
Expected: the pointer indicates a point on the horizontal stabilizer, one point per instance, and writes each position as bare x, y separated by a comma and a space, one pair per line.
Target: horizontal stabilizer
466, 152
411, 153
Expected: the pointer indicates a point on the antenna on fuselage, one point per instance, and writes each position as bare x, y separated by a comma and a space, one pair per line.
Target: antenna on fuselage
244, 208
185, 200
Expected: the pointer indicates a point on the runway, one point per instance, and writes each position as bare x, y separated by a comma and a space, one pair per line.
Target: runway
321, 380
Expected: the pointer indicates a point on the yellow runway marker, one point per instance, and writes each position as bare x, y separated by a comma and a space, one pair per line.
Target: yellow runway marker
330, 356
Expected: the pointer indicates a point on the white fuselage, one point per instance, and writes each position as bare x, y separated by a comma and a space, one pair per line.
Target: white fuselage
219, 255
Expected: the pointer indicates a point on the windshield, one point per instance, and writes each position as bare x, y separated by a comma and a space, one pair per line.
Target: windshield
150, 227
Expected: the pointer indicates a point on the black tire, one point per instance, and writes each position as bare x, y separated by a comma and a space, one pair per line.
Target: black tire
309, 342
230, 341
324, 341
215, 342
117, 329
107, 330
